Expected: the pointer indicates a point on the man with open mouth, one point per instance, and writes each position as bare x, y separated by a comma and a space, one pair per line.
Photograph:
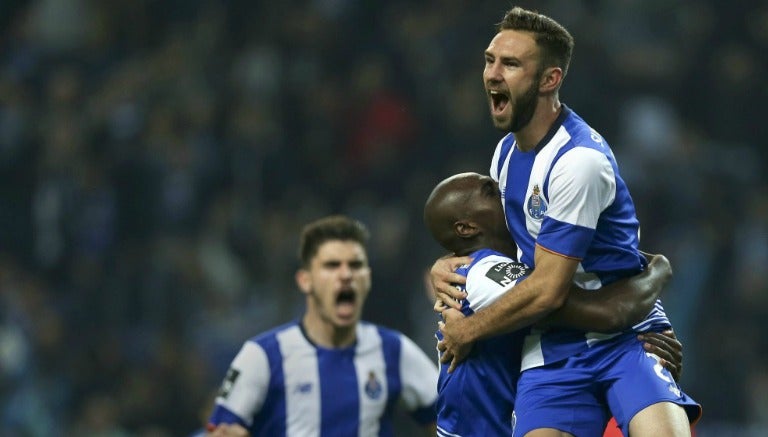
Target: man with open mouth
328, 373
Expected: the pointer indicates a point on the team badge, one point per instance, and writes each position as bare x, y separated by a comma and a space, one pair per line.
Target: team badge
373, 386
229, 382
537, 206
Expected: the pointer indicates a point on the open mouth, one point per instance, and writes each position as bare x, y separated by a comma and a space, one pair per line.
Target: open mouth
499, 101
345, 303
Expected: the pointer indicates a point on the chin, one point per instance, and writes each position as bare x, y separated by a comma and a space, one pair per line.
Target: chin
347, 323
502, 125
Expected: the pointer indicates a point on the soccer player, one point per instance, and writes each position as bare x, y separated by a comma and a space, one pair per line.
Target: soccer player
329, 373
464, 215
573, 220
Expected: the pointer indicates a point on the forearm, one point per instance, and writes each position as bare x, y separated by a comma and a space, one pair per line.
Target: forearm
616, 306
592, 311
521, 306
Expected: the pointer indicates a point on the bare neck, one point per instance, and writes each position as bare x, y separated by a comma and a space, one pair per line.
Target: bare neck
546, 113
507, 247
323, 333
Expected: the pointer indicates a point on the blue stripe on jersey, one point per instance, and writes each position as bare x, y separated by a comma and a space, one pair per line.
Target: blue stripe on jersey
520, 163
338, 385
271, 421
390, 347
221, 414
564, 238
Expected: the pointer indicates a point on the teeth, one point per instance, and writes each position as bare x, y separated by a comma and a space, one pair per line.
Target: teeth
493, 93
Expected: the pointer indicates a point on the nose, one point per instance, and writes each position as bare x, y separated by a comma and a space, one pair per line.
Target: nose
492, 72
345, 271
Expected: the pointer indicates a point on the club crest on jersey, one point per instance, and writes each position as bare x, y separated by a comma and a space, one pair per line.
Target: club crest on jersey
373, 386
536, 206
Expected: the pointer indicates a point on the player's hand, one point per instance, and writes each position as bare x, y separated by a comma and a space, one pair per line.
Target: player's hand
454, 347
444, 279
227, 430
669, 350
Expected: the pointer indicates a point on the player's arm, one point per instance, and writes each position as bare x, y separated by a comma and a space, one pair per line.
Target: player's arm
243, 391
418, 375
616, 306
545, 291
227, 430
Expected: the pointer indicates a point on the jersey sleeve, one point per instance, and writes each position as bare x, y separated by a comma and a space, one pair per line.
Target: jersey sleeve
418, 375
490, 277
582, 184
244, 388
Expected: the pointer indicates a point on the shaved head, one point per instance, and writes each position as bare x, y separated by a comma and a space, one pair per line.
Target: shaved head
464, 213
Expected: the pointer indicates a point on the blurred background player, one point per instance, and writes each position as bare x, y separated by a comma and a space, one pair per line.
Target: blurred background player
464, 215
329, 373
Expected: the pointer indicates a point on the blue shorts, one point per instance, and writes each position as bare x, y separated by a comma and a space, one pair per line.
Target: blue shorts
578, 395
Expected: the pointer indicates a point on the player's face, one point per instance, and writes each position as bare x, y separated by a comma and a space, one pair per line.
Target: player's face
338, 282
511, 77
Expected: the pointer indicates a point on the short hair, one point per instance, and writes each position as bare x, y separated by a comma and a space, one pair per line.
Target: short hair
555, 41
335, 227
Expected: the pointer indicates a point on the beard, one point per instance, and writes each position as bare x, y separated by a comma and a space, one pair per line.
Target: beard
523, 108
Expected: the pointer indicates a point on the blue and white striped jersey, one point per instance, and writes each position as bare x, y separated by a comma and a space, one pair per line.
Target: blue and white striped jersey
281, 384
566, 196
477, 398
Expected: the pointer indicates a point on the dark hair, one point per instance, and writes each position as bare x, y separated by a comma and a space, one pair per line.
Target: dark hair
335, 227
555, 41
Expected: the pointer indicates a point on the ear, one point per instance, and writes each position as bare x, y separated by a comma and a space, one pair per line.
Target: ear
303, 280
550, 79
465, 229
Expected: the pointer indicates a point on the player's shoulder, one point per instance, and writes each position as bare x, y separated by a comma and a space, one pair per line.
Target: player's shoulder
272, 333
366, 329
497, 267
485, 257
582, 135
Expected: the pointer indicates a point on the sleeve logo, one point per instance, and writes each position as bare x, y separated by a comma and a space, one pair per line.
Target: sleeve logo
229, 382
505, 274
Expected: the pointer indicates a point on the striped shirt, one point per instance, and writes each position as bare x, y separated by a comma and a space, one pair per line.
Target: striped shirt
281, 384
477, 398
567, 196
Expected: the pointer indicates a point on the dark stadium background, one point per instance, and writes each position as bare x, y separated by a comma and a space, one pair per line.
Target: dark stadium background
157, 159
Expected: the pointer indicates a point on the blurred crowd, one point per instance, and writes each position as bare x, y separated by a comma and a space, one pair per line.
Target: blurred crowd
158, 158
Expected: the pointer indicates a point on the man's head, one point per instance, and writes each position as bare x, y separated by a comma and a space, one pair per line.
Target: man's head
464, 213
334, 272
527, 58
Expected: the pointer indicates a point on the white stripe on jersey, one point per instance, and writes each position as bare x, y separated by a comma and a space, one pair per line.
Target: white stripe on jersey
418, 377
251, 389
577, 197
482, 290
300, 371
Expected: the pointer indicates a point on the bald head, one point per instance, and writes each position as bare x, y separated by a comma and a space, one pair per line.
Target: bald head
464, 213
